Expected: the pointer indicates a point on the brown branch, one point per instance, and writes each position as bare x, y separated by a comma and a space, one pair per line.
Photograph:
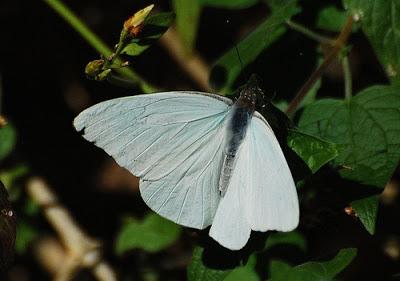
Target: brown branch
340, 42
81, 251
192, 63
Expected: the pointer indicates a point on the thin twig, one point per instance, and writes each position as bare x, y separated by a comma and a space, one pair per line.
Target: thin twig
79, 26
348, 83
309, 33
338, 45
81, 250
193, 64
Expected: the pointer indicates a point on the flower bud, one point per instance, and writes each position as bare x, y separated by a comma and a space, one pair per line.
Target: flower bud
133, 25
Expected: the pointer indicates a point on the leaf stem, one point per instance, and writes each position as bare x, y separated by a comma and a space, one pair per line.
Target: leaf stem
309, 33
93, 40
338, 45
348, 85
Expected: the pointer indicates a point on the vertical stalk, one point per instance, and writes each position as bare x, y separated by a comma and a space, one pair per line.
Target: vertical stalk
348, 83
338, 45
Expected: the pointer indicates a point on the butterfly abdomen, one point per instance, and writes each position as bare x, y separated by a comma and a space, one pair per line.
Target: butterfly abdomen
238, 121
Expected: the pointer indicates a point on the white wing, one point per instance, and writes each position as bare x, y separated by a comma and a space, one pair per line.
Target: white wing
261, 194
172, 141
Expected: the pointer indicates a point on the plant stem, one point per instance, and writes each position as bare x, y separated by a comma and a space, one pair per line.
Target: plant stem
309, 33
338, 45
348, 85
94, 41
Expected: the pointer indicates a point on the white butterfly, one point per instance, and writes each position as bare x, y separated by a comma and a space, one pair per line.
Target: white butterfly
201, 159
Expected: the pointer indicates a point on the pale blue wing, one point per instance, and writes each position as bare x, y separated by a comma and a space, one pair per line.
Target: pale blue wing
172, 141
271, 196
261, 194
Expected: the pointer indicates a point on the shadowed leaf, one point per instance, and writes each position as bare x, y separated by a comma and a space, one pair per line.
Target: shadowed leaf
367, 211
7, 228
366, 128
153, 234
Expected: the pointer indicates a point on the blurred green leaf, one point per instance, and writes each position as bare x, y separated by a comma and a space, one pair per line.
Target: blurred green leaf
312, 271
7, 228
279, 4
228, 4
198, 271
10, 177
153, 234
26, 233
187, 20
314, 151
367, 211
294, 238
245, 272
8, 137
228, 67
365, 127
331, 18
242, 273
380, 21
154, 27
279, 270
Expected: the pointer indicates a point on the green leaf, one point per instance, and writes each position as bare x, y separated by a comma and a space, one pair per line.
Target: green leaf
153, 234
26, 233
242, 273
294, 238
154, 27
279, 270
7, 228
312, 271
198, 271
10, 179
8, 137
380, 21
187, 21
367, 211
228, 4
228, 67
246, 272
314, 151
365, 127
331, 18
279, 4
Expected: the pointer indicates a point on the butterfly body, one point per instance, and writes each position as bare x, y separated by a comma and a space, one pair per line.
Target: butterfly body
238, 121
202, 160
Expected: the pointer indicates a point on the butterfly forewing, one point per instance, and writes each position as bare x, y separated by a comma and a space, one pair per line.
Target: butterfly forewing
173, 141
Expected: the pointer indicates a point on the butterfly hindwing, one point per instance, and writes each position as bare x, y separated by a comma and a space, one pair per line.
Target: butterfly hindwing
261, 194
172, 141
271, 196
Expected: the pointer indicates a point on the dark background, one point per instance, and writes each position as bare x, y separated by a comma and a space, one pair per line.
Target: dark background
43, 88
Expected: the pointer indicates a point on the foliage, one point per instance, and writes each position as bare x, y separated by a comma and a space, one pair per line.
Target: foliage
153, 234
7, 228
366, 127
8, 138
293, 238
312, 271
198, 271
367, 210
314, 151
380, 21
227, 68
354, 138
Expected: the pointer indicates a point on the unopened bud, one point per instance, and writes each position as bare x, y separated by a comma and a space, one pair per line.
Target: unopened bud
133, 25
94, 68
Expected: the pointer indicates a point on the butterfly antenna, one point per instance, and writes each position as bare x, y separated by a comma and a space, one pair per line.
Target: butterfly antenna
240, 59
